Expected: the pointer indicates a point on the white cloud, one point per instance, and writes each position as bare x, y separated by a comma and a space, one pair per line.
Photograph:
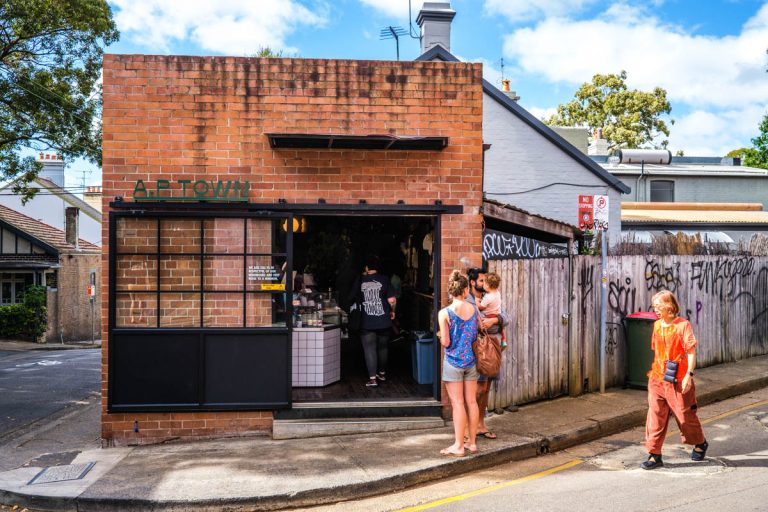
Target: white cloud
542, 113
232, 27
704, 133
394, 8
697, 70
719, 84
523, 10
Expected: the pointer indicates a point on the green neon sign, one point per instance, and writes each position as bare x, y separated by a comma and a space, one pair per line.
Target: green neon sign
189, 190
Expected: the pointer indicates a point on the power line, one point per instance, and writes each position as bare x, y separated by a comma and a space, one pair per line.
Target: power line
542, 188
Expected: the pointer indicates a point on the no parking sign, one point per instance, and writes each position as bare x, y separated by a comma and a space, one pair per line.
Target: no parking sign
593, 212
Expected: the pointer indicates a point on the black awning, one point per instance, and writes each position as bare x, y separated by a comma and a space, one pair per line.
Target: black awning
316, 141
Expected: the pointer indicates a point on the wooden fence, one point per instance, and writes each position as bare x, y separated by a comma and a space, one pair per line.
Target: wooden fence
554, 348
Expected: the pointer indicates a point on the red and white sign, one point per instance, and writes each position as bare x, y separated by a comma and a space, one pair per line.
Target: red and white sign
91, 290
593, 213
586, 213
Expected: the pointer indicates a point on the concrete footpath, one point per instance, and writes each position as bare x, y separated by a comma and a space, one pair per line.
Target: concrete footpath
257, 473
23, 346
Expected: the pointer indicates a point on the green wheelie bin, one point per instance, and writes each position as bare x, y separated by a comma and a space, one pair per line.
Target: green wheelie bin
639, 354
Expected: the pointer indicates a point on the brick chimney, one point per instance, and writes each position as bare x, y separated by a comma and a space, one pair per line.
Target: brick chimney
435, 18
72, 226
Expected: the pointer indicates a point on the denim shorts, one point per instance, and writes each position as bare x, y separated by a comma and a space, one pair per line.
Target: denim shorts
453, 374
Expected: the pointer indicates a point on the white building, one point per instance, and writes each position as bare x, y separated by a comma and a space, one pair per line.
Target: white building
50, 203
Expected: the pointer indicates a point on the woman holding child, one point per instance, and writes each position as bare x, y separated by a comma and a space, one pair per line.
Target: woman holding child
458, 329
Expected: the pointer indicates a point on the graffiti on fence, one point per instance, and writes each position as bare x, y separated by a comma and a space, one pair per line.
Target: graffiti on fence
757, 301
586, 284
721, 277
662, 278
622, 296
611, 339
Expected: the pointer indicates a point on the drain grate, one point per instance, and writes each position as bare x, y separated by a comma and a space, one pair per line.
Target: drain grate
62, 473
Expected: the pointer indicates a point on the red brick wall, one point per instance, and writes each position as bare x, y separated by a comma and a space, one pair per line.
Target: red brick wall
206, 118
73, 303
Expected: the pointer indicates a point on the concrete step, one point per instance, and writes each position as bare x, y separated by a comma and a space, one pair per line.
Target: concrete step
299, 429
361, 409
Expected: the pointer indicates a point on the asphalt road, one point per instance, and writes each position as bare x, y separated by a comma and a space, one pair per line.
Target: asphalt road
605, 476
37, 384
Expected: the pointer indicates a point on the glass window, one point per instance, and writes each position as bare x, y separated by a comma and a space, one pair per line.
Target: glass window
136, 235
200, 273
662, 191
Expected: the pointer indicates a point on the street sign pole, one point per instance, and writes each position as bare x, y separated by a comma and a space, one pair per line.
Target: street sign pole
603, 305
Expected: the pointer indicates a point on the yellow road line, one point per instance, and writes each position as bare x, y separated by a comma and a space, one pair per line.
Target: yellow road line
735, 411
674, 431
491, 488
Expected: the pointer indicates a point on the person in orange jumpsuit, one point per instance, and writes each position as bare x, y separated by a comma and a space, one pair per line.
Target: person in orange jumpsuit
672, 340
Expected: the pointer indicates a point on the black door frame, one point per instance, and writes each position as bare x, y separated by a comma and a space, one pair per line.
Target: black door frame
284, 210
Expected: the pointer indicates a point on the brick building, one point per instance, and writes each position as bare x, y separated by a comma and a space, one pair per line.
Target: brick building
207, 163
35, 253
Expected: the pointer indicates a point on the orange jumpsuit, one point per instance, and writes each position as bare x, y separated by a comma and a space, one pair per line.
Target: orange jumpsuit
671, 342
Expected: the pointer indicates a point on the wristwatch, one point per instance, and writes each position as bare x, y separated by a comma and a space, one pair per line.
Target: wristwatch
690, 373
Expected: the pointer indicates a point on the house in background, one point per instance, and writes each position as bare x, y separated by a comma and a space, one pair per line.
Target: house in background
717, 197
526, 164
35, 253
50, 203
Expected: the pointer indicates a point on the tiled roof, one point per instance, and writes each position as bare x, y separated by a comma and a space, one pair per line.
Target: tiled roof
49, 235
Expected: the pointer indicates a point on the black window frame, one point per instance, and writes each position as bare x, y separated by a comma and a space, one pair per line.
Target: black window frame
670, 190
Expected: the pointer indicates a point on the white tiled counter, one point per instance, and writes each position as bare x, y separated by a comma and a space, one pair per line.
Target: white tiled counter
316, 355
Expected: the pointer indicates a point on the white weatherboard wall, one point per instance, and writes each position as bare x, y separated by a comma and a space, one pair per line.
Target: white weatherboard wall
522, 159
49, 208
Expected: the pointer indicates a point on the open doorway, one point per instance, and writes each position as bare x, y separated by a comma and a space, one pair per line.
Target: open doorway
328, 256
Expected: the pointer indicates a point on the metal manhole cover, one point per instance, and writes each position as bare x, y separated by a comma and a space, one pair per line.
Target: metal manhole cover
62, 473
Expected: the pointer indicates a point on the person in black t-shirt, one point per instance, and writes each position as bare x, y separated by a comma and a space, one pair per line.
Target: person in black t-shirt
378, 307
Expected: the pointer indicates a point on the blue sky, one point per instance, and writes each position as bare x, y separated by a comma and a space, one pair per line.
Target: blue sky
710, 55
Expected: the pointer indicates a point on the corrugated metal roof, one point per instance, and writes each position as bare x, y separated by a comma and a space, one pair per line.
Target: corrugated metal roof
730, 171
694, 216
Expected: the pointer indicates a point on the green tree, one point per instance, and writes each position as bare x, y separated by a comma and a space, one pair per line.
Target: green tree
266, 51
629, 118
50, 62
757, 155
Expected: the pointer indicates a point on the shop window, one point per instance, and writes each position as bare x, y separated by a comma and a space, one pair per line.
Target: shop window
213, 272
136, 236
662, 191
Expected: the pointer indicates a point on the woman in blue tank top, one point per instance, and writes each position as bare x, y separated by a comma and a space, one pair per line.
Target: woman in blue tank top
458, 330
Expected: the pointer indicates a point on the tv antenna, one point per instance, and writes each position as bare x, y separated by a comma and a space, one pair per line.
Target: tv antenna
393, 33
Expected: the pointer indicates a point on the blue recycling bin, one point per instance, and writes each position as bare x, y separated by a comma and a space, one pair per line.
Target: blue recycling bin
423, 357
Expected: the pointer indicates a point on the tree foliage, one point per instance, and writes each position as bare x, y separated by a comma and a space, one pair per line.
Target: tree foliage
757, 155
50, 62
628, 118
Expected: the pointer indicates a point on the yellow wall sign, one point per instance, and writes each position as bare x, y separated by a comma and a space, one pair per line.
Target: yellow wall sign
273, 287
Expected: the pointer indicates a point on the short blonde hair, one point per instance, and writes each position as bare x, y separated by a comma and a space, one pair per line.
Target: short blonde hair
666, 300
493, 280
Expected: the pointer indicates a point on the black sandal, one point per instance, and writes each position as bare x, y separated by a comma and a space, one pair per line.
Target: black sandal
653, 462
699, 451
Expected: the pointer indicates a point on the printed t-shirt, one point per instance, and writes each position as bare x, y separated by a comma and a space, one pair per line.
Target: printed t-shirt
671, 342
376, 291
